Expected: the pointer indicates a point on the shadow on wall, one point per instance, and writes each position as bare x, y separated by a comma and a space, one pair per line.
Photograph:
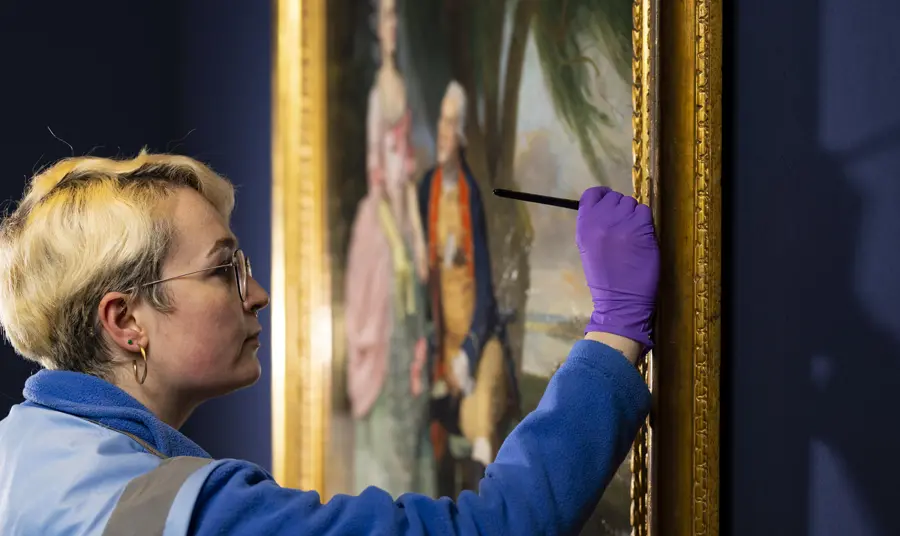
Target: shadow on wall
815, 323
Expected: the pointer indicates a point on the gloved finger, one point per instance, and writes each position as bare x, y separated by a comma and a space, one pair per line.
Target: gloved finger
643, 211
592, 196
625, 207
642, 214
642, 220
609, 203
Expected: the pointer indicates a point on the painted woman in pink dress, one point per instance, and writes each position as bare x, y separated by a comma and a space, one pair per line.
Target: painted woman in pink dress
385, 307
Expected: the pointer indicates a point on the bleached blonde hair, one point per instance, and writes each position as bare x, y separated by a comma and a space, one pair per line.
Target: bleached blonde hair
87, 226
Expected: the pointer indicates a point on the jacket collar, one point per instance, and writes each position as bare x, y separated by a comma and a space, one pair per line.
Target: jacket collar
92, 398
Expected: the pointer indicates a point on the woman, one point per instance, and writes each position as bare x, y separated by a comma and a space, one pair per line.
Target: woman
385, 308
124, 281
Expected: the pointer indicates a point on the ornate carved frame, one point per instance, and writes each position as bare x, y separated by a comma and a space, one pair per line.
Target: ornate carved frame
677, 61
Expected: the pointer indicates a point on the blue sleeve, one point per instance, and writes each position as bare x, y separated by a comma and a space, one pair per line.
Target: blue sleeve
485, 312
548, 476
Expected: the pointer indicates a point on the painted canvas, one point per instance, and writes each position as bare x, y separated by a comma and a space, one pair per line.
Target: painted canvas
452, 307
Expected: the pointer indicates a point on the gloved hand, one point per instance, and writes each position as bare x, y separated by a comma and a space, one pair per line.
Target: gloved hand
620, 258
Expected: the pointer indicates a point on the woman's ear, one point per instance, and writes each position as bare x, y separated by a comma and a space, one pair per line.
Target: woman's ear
118, 320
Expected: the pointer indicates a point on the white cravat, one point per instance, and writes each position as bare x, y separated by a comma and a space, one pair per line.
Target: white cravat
449, 186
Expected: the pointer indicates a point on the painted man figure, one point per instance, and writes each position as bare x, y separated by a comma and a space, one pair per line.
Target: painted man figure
470, 369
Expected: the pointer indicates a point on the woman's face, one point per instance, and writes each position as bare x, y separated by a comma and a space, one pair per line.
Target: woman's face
387, 27
206, 346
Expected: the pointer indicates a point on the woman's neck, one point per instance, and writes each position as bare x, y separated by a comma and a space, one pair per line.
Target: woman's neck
167, 407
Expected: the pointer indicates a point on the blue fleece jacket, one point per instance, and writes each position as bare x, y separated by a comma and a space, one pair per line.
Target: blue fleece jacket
547, 478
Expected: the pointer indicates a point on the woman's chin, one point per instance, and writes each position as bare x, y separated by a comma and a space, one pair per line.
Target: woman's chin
250, 371
245, 374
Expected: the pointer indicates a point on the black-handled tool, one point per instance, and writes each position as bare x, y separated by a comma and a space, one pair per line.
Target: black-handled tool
571, 204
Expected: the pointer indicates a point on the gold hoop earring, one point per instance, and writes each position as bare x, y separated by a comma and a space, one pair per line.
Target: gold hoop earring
134, 365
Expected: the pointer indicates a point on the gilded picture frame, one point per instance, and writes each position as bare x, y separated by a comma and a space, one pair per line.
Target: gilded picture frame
676, 100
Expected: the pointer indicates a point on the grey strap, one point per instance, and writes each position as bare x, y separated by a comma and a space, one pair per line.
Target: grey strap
144, 505
135, 438
142, 443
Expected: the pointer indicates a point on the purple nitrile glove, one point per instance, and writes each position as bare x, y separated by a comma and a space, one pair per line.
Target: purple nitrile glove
620, 258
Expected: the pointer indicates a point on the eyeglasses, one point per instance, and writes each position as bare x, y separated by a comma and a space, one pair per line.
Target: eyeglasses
240, 265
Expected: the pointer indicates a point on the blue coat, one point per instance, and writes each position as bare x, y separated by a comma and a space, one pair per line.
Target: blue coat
71, 453
484, 316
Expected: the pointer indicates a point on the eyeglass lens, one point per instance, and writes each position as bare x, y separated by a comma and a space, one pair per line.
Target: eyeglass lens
241, 270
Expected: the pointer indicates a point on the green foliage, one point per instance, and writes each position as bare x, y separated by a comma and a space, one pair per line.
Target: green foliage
564, 31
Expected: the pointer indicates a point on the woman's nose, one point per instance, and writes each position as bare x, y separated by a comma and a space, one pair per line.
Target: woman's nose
257, 298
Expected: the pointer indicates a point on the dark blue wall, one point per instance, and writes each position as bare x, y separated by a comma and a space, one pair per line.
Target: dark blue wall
813, 311
183, 76
98, 74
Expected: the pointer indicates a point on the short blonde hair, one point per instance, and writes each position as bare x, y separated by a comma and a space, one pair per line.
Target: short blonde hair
87, 226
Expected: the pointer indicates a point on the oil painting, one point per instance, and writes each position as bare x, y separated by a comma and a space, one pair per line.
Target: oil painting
453, 307
423, 314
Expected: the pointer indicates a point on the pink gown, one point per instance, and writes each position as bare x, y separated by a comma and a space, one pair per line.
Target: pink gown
383, 337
